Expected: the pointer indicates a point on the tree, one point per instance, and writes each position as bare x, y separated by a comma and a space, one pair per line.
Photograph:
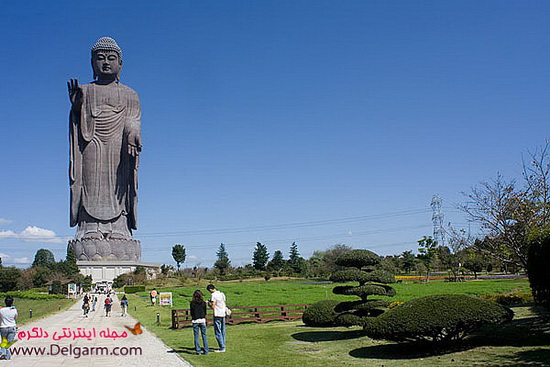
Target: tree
508, 211
322, 263
277, 263
43, 257
371, 282
9, 277
296, 262
260, 257
166, 269
538, 269
178, 253
87, 283
475, 265
41, 276
407, 261
428, 253
223, 263
71, 269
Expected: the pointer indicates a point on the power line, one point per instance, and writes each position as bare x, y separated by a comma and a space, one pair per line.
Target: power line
304, 239
287, 225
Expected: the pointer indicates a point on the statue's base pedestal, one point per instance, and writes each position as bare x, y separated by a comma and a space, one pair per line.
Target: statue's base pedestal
106, 271
89, 249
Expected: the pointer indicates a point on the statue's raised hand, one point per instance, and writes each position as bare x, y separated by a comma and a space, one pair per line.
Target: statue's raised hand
75, 92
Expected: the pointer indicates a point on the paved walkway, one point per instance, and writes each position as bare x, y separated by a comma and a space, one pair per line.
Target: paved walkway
79, 338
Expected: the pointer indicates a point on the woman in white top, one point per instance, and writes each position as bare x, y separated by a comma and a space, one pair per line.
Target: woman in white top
8, 327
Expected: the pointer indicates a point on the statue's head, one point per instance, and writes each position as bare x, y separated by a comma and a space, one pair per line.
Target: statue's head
106, 59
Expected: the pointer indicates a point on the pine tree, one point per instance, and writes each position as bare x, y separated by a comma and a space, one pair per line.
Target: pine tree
223, 263
260, 257
296, 262
277, 263
71, 267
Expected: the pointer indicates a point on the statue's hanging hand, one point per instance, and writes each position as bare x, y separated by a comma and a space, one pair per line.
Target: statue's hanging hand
75, 93
134, 144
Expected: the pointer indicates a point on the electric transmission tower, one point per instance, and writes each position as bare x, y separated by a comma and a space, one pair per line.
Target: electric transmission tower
437, 219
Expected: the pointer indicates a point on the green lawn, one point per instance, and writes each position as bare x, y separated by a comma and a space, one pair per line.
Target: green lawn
40, 308
525, 341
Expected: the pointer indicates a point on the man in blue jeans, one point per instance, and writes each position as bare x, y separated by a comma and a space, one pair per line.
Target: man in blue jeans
8, 315
217, 303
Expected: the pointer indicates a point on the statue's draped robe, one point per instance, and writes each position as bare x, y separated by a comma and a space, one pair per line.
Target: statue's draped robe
103, 176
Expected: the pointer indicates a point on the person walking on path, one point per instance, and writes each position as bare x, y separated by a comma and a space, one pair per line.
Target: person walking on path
217, 303
124, 305
108, 305
198, 318
86, 305
8, 326
94, 302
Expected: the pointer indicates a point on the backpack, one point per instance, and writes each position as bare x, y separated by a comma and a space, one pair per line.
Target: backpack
107, 301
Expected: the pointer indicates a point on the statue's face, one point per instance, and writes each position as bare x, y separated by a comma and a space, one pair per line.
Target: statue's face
106, 64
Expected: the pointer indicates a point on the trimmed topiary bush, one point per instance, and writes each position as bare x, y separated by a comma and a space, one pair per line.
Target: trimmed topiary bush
371, 282
437, 319
321, 313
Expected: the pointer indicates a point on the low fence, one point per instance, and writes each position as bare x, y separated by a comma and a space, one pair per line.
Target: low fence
258, 314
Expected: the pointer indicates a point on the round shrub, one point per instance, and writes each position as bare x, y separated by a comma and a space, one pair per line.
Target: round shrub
357, 259
320, 313
436, 319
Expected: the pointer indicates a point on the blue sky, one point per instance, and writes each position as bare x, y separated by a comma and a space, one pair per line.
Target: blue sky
320, 122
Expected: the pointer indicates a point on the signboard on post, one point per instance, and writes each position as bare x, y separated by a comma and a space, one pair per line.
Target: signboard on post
71, 288
165, 298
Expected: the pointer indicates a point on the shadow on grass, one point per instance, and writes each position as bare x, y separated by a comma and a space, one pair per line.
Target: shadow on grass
406, 351
524, 332
326, 336
183, 350
535, 357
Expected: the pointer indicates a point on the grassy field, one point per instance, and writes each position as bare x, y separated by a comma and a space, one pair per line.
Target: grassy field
526, 341
40, 308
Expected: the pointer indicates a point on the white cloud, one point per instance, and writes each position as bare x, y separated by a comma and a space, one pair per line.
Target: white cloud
7, 234
7, 259
20, 260
350, 233
5, 221
191, 257
33, 234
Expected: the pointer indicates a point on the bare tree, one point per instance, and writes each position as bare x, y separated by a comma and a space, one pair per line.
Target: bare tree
508, 211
